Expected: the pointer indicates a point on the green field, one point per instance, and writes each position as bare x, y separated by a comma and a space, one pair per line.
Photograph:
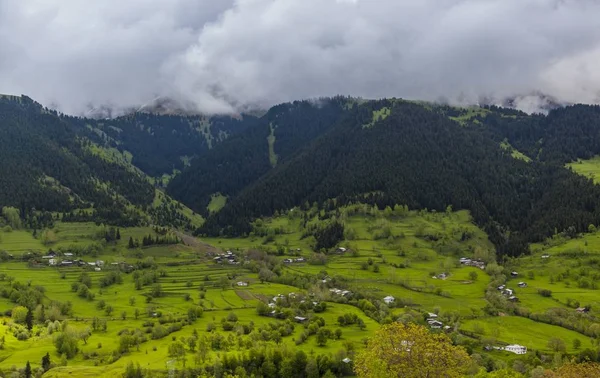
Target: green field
217, 202
517, 330
514, 152
588, 168
389, 252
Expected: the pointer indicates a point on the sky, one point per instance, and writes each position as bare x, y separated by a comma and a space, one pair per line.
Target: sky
220, 56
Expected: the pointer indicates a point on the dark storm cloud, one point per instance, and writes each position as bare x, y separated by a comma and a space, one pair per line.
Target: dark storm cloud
222, 54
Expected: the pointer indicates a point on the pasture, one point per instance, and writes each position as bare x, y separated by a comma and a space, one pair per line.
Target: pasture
411, 256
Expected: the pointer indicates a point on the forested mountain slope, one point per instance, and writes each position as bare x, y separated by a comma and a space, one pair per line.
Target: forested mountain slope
45, 167
401, 152
160, 144
243, 158
56, 163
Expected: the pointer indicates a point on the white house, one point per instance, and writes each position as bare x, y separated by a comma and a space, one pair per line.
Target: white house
432, 315
435, 324
515, 348
52, 262
389, 299
242, 283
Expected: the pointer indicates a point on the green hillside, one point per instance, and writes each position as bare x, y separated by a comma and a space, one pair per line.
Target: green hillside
277, 244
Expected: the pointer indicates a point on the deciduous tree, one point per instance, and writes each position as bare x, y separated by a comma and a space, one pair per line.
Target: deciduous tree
410, 350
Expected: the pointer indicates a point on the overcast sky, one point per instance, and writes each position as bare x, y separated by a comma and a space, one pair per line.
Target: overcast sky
223, 54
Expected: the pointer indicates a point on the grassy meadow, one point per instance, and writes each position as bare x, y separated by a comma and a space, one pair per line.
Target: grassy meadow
412, 256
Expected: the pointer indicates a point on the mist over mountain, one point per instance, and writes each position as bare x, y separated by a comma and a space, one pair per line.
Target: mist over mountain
227, 56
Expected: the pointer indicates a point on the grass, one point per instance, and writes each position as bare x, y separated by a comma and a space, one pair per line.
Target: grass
378, 115
19, 242
517, 330
588, 168
516, 154
418, 244
469, 113
271, 141
217, 202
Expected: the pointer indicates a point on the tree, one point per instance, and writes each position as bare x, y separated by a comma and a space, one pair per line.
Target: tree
156, 290
473, 275
322, 336
12, 216
29, 319
262, 308
573, 370
410, 350
576, 343
557, 345
223, 282
177, 350
46, 362
131, 244
28, 370
49, 237
66, 342
85, 334
108, 310
19, 314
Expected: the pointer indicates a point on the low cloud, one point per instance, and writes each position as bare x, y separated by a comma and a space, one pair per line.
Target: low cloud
225, 55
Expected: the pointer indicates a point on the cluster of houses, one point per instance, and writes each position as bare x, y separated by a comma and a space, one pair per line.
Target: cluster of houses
228, 257
434, 323
509, 293
273, 304
297, 260
66, 259
469, 262
343, 293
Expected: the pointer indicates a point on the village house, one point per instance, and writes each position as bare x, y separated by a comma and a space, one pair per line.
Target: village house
468, 262
389, 299
515, 348
522, 284
300, 319
435, 324
242, 283
514, 274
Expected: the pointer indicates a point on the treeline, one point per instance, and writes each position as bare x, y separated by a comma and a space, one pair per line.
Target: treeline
422, 159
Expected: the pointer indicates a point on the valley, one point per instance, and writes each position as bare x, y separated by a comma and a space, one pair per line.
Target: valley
278, 245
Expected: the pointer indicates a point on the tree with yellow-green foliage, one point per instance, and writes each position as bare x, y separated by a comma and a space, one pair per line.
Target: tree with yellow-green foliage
573, 370
410, 350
